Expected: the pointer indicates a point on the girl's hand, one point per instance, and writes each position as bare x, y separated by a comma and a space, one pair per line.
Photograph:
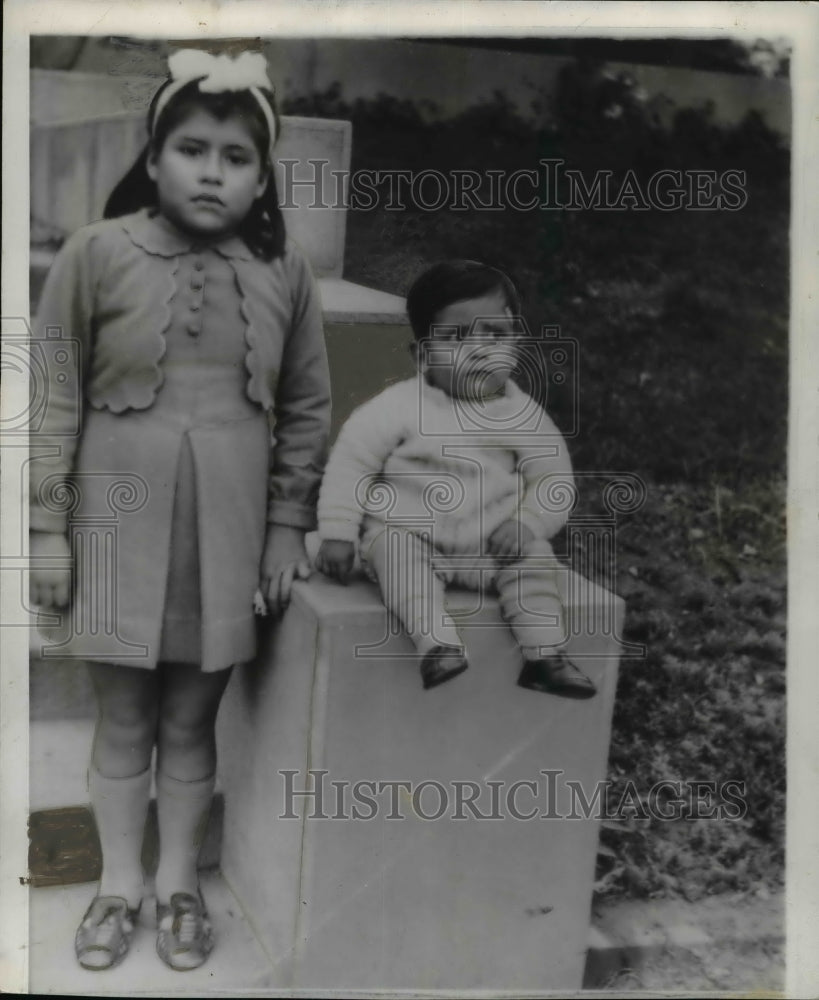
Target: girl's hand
510, 538
335, 559
49, 586
284, 560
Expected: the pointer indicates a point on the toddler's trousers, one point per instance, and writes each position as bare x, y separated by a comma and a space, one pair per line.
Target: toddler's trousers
413, 577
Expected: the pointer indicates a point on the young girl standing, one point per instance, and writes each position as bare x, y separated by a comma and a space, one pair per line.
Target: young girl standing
202, 378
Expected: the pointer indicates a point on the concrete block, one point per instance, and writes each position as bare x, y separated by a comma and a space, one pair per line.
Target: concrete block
412, 902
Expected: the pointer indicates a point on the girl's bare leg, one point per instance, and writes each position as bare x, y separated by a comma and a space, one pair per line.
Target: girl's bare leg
186, 746
119, 779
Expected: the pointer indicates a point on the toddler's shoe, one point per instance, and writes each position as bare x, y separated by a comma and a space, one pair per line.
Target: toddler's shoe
104, 936
184, 936
556, 674
442, 663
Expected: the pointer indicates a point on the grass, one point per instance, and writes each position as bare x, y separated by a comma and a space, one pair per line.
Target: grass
681, 322
702, 573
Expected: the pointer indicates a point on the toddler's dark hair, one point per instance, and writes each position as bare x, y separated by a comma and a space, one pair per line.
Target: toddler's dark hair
454, 281
263, 227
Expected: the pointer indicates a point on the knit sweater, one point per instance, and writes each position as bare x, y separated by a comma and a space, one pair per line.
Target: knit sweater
417, 457
172, 345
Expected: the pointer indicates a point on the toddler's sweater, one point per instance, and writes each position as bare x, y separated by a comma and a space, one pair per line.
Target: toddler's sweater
417, 457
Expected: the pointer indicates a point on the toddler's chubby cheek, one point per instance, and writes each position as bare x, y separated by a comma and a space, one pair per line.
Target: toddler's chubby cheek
485, 358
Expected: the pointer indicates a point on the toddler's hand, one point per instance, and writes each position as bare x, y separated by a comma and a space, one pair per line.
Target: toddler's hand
284, 561
335, 559
49, 586
510, 538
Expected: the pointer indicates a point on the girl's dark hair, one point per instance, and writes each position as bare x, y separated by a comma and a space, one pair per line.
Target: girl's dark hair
454, 281
263, 227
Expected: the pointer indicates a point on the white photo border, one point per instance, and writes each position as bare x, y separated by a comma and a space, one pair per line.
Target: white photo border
364, 18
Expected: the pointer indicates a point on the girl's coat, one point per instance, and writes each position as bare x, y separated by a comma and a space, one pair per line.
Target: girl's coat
182, 344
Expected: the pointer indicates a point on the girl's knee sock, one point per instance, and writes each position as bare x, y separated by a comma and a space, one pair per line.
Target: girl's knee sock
183, 808
120, 807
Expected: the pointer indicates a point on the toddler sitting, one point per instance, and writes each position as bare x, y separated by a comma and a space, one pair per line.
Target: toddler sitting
459, 451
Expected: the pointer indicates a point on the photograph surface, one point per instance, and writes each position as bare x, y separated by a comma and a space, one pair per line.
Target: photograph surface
401, 438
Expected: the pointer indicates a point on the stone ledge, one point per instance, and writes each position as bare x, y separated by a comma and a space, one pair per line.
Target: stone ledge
345, 302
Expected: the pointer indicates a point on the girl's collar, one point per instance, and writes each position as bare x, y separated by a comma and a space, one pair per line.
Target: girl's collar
152, 232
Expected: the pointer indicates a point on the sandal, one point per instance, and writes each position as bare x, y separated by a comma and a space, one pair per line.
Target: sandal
556, 674
184, 934
104, 936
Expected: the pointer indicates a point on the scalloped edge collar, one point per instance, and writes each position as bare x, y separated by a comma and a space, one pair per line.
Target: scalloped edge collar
153, 233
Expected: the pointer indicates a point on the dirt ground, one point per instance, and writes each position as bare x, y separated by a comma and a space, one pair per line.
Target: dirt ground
727, 969
728, 945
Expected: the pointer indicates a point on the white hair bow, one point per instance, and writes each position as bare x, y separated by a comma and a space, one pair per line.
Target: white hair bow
220, 72
216, 74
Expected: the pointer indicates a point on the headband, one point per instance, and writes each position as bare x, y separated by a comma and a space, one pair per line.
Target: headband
217, 74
